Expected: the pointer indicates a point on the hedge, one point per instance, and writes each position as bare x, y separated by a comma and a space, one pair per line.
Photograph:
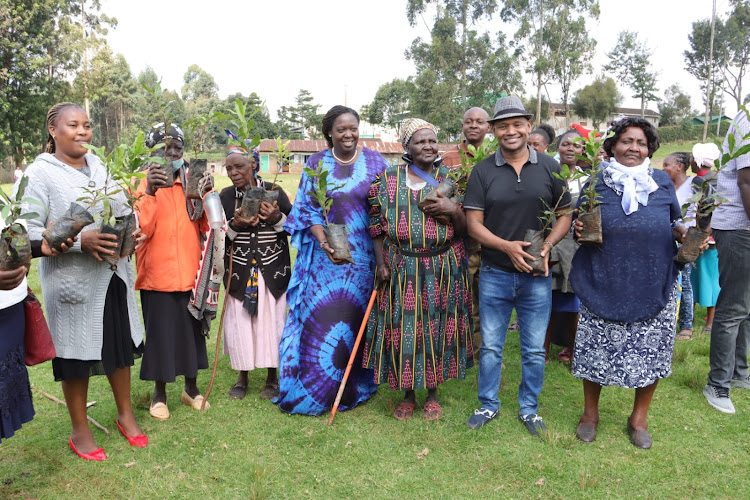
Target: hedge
691, 133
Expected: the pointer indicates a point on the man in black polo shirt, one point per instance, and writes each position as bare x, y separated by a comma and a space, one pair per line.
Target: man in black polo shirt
505, 196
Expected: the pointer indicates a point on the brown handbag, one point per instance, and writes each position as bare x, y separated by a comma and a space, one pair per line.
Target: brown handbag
37, 340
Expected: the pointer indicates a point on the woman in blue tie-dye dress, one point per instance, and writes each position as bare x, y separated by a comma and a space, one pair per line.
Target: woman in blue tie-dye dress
327, 300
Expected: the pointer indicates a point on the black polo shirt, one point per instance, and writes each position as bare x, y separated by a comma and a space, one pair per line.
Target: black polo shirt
513, 203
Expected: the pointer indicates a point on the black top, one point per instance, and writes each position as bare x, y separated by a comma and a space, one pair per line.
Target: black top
262, 243
513, 203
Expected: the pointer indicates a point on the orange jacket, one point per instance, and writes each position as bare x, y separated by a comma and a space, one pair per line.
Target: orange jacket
169, 258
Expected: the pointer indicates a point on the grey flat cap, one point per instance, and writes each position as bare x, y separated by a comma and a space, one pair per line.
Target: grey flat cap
509, 107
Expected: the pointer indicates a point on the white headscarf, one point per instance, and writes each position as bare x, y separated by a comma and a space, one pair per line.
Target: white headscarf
706, 154
634, 182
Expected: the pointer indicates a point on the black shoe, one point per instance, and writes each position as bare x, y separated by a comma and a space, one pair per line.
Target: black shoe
586, 432
641, 439
533, 423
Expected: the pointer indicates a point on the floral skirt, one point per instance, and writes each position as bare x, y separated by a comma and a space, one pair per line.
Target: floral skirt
629, 355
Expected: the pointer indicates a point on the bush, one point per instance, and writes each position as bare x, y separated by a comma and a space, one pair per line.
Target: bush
686, 132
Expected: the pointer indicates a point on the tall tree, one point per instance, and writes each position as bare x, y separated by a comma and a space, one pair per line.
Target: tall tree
736, 44
630, 58
391, 103
303, 117
701, 61
597, 101
490, 69
29, 83
675, 107
464, 13
112, 91
556, 43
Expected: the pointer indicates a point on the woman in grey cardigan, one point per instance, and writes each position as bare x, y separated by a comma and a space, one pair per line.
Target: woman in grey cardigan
91, 308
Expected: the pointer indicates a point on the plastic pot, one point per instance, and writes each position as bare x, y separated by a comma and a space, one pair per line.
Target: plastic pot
195, 173
118, 229
536, 238
591, 234
691, 247
69, 225
338, 240
15, 248
251, 202
128, 240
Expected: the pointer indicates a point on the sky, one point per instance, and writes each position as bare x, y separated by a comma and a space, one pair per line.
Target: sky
343, 50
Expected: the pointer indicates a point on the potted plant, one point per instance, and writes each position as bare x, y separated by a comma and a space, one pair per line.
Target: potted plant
590, 211
240, 119
282, 156
197, 129
454, 185
704, 202
124, 166
548, 217
335, 233
15, 247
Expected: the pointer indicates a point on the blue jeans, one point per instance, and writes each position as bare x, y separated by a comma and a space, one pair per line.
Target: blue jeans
499, 293
686, 300
730, 334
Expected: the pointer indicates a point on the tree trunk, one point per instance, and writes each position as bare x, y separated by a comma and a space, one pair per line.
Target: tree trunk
710, 82
643, 105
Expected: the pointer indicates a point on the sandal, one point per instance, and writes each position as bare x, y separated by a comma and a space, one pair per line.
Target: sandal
685, 335
270, 391
564, 356
404, 411
431, 410
237, 392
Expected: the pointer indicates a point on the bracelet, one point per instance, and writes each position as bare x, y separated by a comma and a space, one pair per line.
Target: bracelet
548, 242
323, 243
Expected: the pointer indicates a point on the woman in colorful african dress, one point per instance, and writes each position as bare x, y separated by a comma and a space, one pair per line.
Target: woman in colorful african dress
420, 333
327, 297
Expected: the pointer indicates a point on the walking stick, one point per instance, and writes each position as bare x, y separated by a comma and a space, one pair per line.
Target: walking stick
221, 326
352, 356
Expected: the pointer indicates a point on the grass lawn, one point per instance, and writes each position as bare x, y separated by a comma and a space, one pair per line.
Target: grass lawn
249, 449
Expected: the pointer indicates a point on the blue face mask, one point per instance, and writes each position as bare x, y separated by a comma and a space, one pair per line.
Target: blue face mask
178, 163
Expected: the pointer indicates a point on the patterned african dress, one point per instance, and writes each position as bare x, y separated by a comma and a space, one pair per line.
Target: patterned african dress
419, 334
327, 302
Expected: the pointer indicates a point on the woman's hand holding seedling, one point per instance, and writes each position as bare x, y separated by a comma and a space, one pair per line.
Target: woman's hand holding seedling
206, 184
269, 213
441, 206
11, 279
140, 238
239, 222
155, 179
96, 243
679, 233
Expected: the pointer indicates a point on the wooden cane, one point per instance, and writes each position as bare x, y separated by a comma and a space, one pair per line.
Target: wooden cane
352, 356
221, 326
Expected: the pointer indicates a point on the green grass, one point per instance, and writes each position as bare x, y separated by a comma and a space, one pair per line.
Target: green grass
248, 449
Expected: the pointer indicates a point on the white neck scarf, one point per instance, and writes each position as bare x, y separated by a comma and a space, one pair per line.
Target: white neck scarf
634, 182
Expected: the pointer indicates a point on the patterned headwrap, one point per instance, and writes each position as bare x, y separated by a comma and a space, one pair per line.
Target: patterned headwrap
157, 135
410, 126
238, 150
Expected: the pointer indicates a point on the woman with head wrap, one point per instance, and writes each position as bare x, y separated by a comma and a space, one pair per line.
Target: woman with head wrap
167, 266
257, 252
327, 297
419, 335
705, 274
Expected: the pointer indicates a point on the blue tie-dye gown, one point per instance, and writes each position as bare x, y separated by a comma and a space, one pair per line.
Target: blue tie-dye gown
327, 302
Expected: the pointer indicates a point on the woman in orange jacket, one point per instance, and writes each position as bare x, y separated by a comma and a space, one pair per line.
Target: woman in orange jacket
167, 264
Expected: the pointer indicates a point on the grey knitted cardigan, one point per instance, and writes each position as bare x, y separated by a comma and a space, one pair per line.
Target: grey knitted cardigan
74, 284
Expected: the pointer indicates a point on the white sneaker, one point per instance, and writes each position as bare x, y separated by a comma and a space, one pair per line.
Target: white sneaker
741, 383
718, 397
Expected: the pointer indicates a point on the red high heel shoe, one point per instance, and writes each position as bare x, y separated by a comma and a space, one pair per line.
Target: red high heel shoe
140, 441
97, 455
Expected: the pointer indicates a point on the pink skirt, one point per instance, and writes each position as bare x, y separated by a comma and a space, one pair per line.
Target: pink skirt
253, 341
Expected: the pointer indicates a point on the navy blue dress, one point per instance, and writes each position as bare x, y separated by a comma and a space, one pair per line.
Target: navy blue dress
628, 292
15, 392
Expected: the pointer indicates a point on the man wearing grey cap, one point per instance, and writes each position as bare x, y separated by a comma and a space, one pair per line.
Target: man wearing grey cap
505, 196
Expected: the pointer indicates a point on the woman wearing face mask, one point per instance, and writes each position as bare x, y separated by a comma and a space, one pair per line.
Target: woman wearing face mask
167, 265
